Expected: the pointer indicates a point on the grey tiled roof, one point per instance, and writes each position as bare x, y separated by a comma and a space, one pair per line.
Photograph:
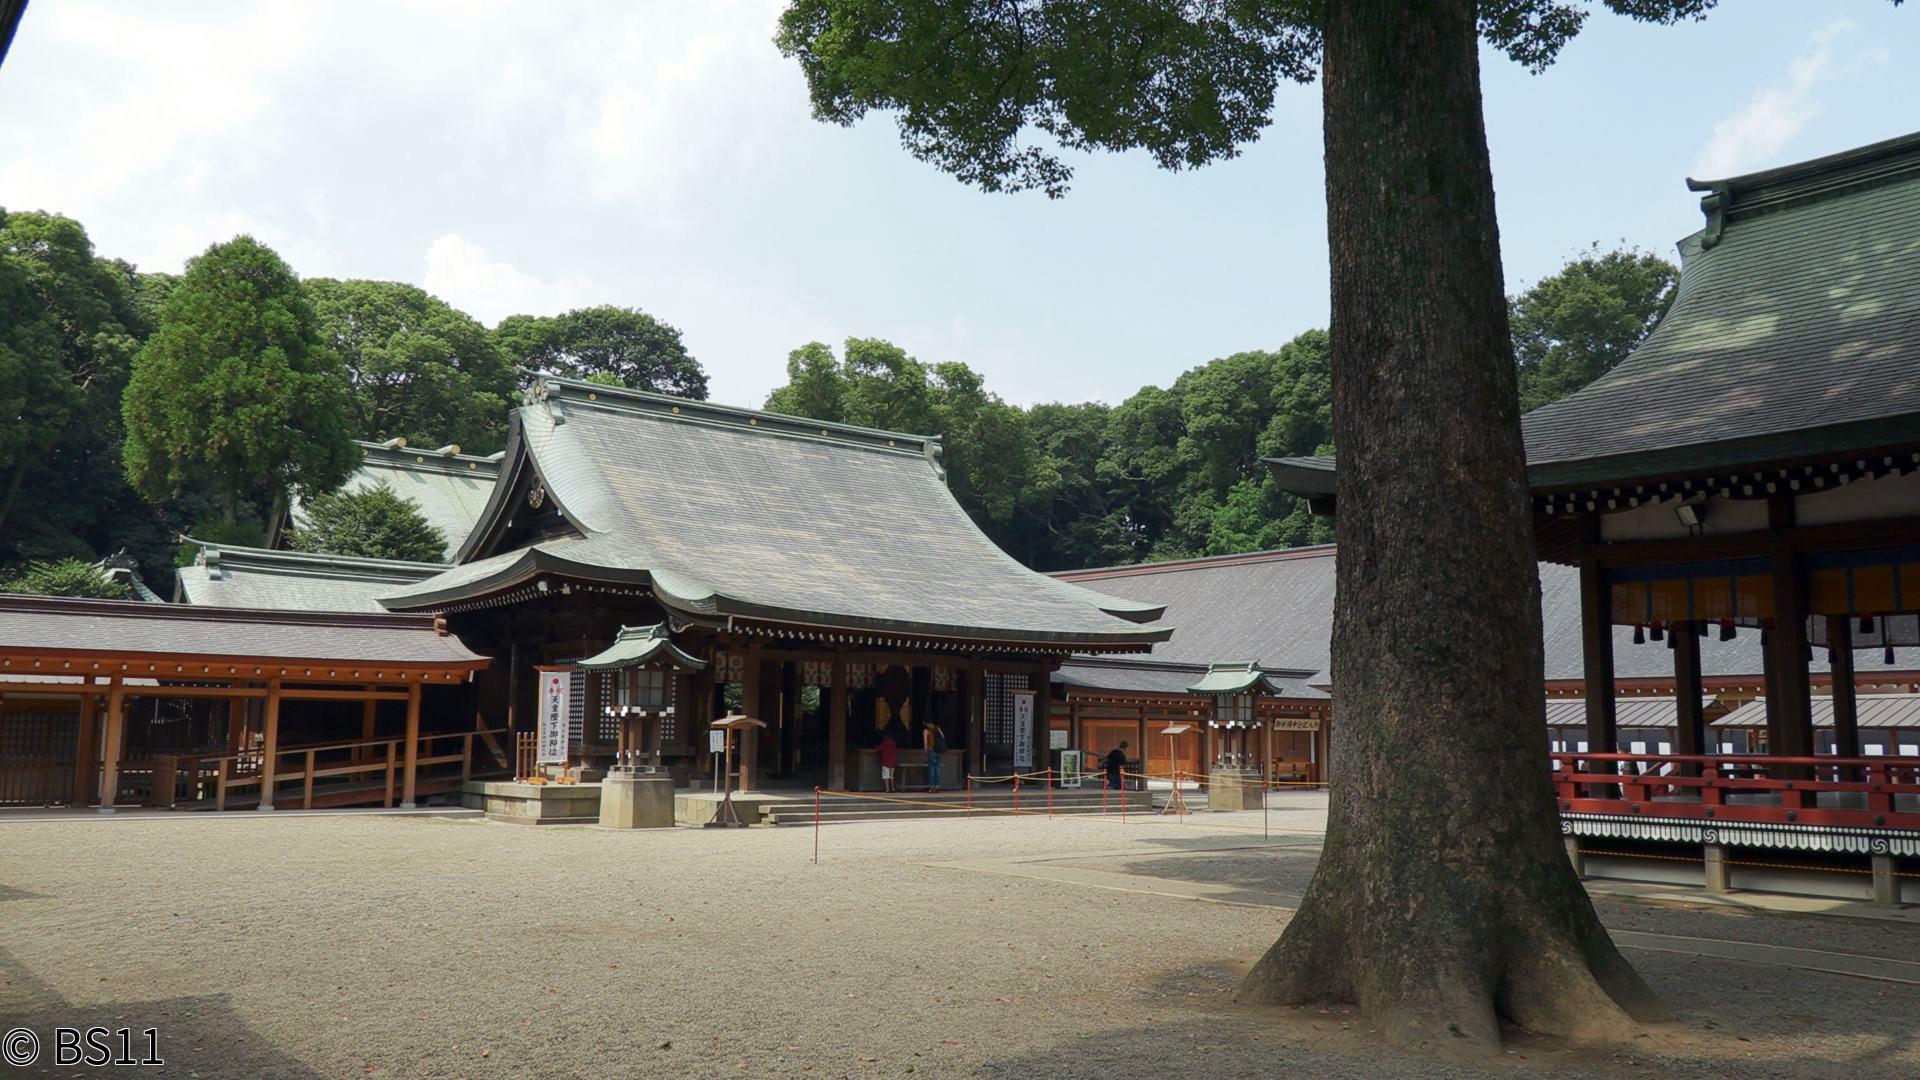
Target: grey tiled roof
1802, 319
733, 512
450, 488
121, 627
1151, 677
1794, 332
244, 577
1874, 711
1277, 607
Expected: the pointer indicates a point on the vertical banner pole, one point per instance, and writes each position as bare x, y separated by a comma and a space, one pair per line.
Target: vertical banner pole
816, 826
1049, 791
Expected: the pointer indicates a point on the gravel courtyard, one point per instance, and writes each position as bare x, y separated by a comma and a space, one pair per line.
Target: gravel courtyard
368, 945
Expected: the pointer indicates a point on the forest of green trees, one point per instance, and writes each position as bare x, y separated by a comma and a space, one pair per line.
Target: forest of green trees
141, 405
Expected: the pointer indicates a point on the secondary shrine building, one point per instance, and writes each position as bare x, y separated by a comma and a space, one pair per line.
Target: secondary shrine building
1751, 474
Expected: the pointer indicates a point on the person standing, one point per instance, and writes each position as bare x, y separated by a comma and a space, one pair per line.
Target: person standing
1116, 762
889, 752
936, 743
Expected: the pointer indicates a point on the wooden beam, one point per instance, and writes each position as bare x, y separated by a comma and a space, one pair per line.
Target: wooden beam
1846, 702
1844, 536
85, 765
116, 721
270, 749
976, 717
1690, 729
1596, 650
413, 746
753, 704
1787, 642
837, 723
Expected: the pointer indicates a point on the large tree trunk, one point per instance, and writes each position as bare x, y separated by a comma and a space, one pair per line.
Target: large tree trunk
1444, 900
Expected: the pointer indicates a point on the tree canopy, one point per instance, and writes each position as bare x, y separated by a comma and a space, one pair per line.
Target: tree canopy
237, 387
372, 522
998, 94
69, 326
632, 347
417, 368
1572, 327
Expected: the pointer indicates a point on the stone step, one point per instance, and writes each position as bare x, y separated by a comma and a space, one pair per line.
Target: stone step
790, 817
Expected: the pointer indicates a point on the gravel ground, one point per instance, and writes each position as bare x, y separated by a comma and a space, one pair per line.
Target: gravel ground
397, 946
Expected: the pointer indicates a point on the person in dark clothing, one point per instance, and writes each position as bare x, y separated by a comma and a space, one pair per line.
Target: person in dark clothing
1116, 764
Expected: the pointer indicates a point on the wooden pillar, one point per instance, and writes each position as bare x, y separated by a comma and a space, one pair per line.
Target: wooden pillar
1073, 724
837, 723
752, 704
1787, 645
413, 746
1042, 688
976, 717
86, 766
1690, 726
1140, 744
116, 721
1846, 703
270, 750
1596, 640
790, 717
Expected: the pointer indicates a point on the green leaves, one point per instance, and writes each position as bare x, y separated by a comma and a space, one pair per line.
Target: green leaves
67, 577
372, 522
236, 386
1168, 473
992, 91
1573, 327
417, 368
634, 348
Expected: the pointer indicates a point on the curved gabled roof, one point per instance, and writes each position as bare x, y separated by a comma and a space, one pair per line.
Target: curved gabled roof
1794, 335
1795, 330
727, 512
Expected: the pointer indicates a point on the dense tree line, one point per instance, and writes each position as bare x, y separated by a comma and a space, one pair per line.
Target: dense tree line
147, 405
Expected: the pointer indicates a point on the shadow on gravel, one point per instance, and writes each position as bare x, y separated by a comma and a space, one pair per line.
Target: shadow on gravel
199, 1036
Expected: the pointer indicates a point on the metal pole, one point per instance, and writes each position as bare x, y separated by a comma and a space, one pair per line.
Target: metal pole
816, 826
1049, 791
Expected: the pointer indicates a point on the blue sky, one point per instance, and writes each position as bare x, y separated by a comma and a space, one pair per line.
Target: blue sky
530, 158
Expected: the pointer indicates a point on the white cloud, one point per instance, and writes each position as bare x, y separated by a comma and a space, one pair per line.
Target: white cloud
1754, 135
467, 276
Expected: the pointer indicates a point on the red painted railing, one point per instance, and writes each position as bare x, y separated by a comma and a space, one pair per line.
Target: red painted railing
1866, 792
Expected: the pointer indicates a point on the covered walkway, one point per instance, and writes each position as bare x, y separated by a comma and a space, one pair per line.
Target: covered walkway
113, 704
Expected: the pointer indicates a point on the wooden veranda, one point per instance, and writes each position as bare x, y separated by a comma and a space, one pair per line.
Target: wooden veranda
126, 703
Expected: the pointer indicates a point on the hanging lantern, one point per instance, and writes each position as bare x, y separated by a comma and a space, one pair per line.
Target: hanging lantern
1888, 655
1726, 629
1639, 634
1659, 631
1673, 641
1866, 624
1700, 628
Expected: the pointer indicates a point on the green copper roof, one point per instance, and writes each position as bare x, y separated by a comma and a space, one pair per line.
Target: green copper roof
726, 513
1232, 677
450, 487
1794, 334
640, 646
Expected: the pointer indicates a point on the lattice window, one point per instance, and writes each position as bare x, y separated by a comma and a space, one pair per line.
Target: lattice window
1000, 688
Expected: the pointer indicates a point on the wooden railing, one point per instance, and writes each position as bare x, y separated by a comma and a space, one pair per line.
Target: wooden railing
385, 758
1866, 792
